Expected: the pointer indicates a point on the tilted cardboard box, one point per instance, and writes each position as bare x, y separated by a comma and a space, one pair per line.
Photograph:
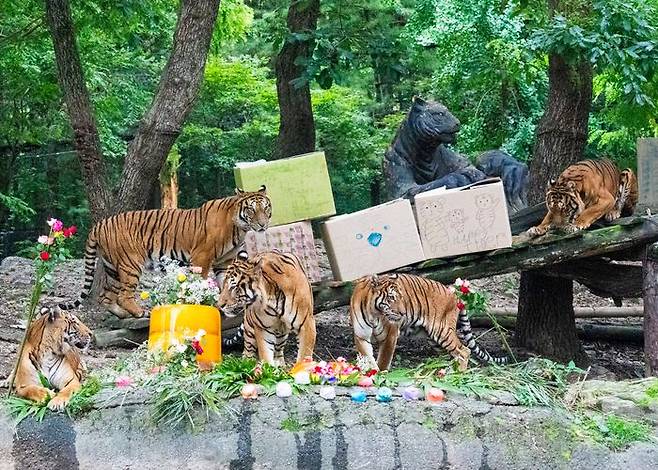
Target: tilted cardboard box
299, 187
295, 238
372, 241
463, 220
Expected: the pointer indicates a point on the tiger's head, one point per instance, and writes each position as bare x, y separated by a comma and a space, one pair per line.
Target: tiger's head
387, 297
563, 201
254, 210
62, 330
432, 122
241, 286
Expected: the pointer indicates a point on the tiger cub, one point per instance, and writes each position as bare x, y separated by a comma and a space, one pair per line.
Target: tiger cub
205, 236
277, 298
586, 192
381, 306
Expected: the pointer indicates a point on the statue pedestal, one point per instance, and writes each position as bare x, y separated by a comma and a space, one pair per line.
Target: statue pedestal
647, 173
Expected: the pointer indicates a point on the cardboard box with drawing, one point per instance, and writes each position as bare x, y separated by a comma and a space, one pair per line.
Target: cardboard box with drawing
463, 220
298, 187
373, 240
296, 238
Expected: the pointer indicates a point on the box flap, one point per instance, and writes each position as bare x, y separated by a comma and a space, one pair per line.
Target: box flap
368, 209
443, 190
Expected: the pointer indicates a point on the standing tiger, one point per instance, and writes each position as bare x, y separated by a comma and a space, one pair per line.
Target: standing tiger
382, 306
278, 299
206, 236
586, 192
52, 350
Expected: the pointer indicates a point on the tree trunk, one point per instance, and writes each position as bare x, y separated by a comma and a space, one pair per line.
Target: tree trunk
296, 128
546, 318
169, 192
178, 89
651, 309
78, 104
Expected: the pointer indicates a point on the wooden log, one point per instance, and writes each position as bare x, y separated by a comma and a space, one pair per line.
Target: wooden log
613, 333
582, 312
542, 253
651, 309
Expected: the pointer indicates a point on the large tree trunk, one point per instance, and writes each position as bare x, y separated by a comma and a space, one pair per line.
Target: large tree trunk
81, 115
546, 318
178, 89
297, 128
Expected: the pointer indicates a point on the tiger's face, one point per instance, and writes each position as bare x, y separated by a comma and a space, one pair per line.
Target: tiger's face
564, 201
241, 285
254, 211
66, 331
433, 122
387, 297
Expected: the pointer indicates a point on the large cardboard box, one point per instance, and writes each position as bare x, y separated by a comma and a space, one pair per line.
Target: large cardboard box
296, 238
463, 220
299, 187
372, 241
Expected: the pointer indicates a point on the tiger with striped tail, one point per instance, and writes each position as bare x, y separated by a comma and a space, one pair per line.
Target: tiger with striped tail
206, 236
277, 299
384, 305
586, 192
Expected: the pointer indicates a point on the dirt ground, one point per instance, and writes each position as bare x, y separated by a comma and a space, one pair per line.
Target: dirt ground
610, 361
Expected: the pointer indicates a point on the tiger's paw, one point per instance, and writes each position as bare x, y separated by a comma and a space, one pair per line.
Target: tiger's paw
536, 231
58, 403
572, 228
41, 395
614, 215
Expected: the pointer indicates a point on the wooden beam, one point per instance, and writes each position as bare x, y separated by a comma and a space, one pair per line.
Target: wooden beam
650, 265
540, 253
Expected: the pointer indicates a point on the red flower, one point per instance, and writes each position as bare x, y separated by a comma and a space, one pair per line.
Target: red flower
464, 289
69, 232
44, 255
196, 345
460, 305
371, 372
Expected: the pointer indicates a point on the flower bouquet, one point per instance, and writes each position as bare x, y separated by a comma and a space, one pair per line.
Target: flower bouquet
184, 313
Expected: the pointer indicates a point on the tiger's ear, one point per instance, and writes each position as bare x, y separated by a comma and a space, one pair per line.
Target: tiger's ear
243, 255
393, 276
551, 183
571, 184
262, 189
53, 313
419, 101
238, 191
373, 280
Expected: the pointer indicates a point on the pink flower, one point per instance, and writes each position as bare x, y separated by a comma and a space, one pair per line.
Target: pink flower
123, 381
211, 283
196, 269
57, 225
156, 369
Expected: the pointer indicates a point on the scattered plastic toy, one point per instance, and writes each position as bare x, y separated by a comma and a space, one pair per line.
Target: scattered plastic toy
302, 377
249, 391
384, 395
328, 392
359, 396
411, 393
434, 395
365, 382
283, 390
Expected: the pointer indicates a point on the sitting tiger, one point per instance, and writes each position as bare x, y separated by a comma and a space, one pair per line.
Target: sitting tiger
206, 236
586, 192
52, 349
278, 299
381, 306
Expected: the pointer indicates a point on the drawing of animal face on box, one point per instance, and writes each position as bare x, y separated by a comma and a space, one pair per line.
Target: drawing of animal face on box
374, 236
486, 201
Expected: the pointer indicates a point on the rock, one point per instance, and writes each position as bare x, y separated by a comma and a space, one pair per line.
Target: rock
501, 397
123, 338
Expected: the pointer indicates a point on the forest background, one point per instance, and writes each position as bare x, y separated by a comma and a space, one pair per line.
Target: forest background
486, 60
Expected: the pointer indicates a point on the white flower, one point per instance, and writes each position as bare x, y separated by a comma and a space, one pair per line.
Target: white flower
43, 239
51, 222
467, 283
180, 348
184, 363
200, 334
459, 282
451, 289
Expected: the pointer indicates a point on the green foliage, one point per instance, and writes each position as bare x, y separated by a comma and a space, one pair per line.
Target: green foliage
21, 408
83, 400
615, 432
18, 209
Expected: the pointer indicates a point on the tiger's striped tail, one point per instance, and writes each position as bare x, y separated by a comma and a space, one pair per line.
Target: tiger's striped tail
466, 335
91, 251
236, 339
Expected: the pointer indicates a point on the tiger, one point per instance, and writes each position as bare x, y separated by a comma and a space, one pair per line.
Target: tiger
277, 298
52, 350
207, 236
586, 192
383, 306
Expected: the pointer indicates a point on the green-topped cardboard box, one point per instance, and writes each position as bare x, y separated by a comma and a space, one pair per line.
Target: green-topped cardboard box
298, 187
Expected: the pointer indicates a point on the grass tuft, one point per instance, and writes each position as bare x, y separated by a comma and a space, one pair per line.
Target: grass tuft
612, 431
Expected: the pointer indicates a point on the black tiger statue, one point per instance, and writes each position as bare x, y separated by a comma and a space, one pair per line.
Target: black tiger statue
418, 159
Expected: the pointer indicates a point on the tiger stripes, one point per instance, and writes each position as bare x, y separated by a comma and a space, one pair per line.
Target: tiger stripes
384, 305
586, 192
205, 236
277, 299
